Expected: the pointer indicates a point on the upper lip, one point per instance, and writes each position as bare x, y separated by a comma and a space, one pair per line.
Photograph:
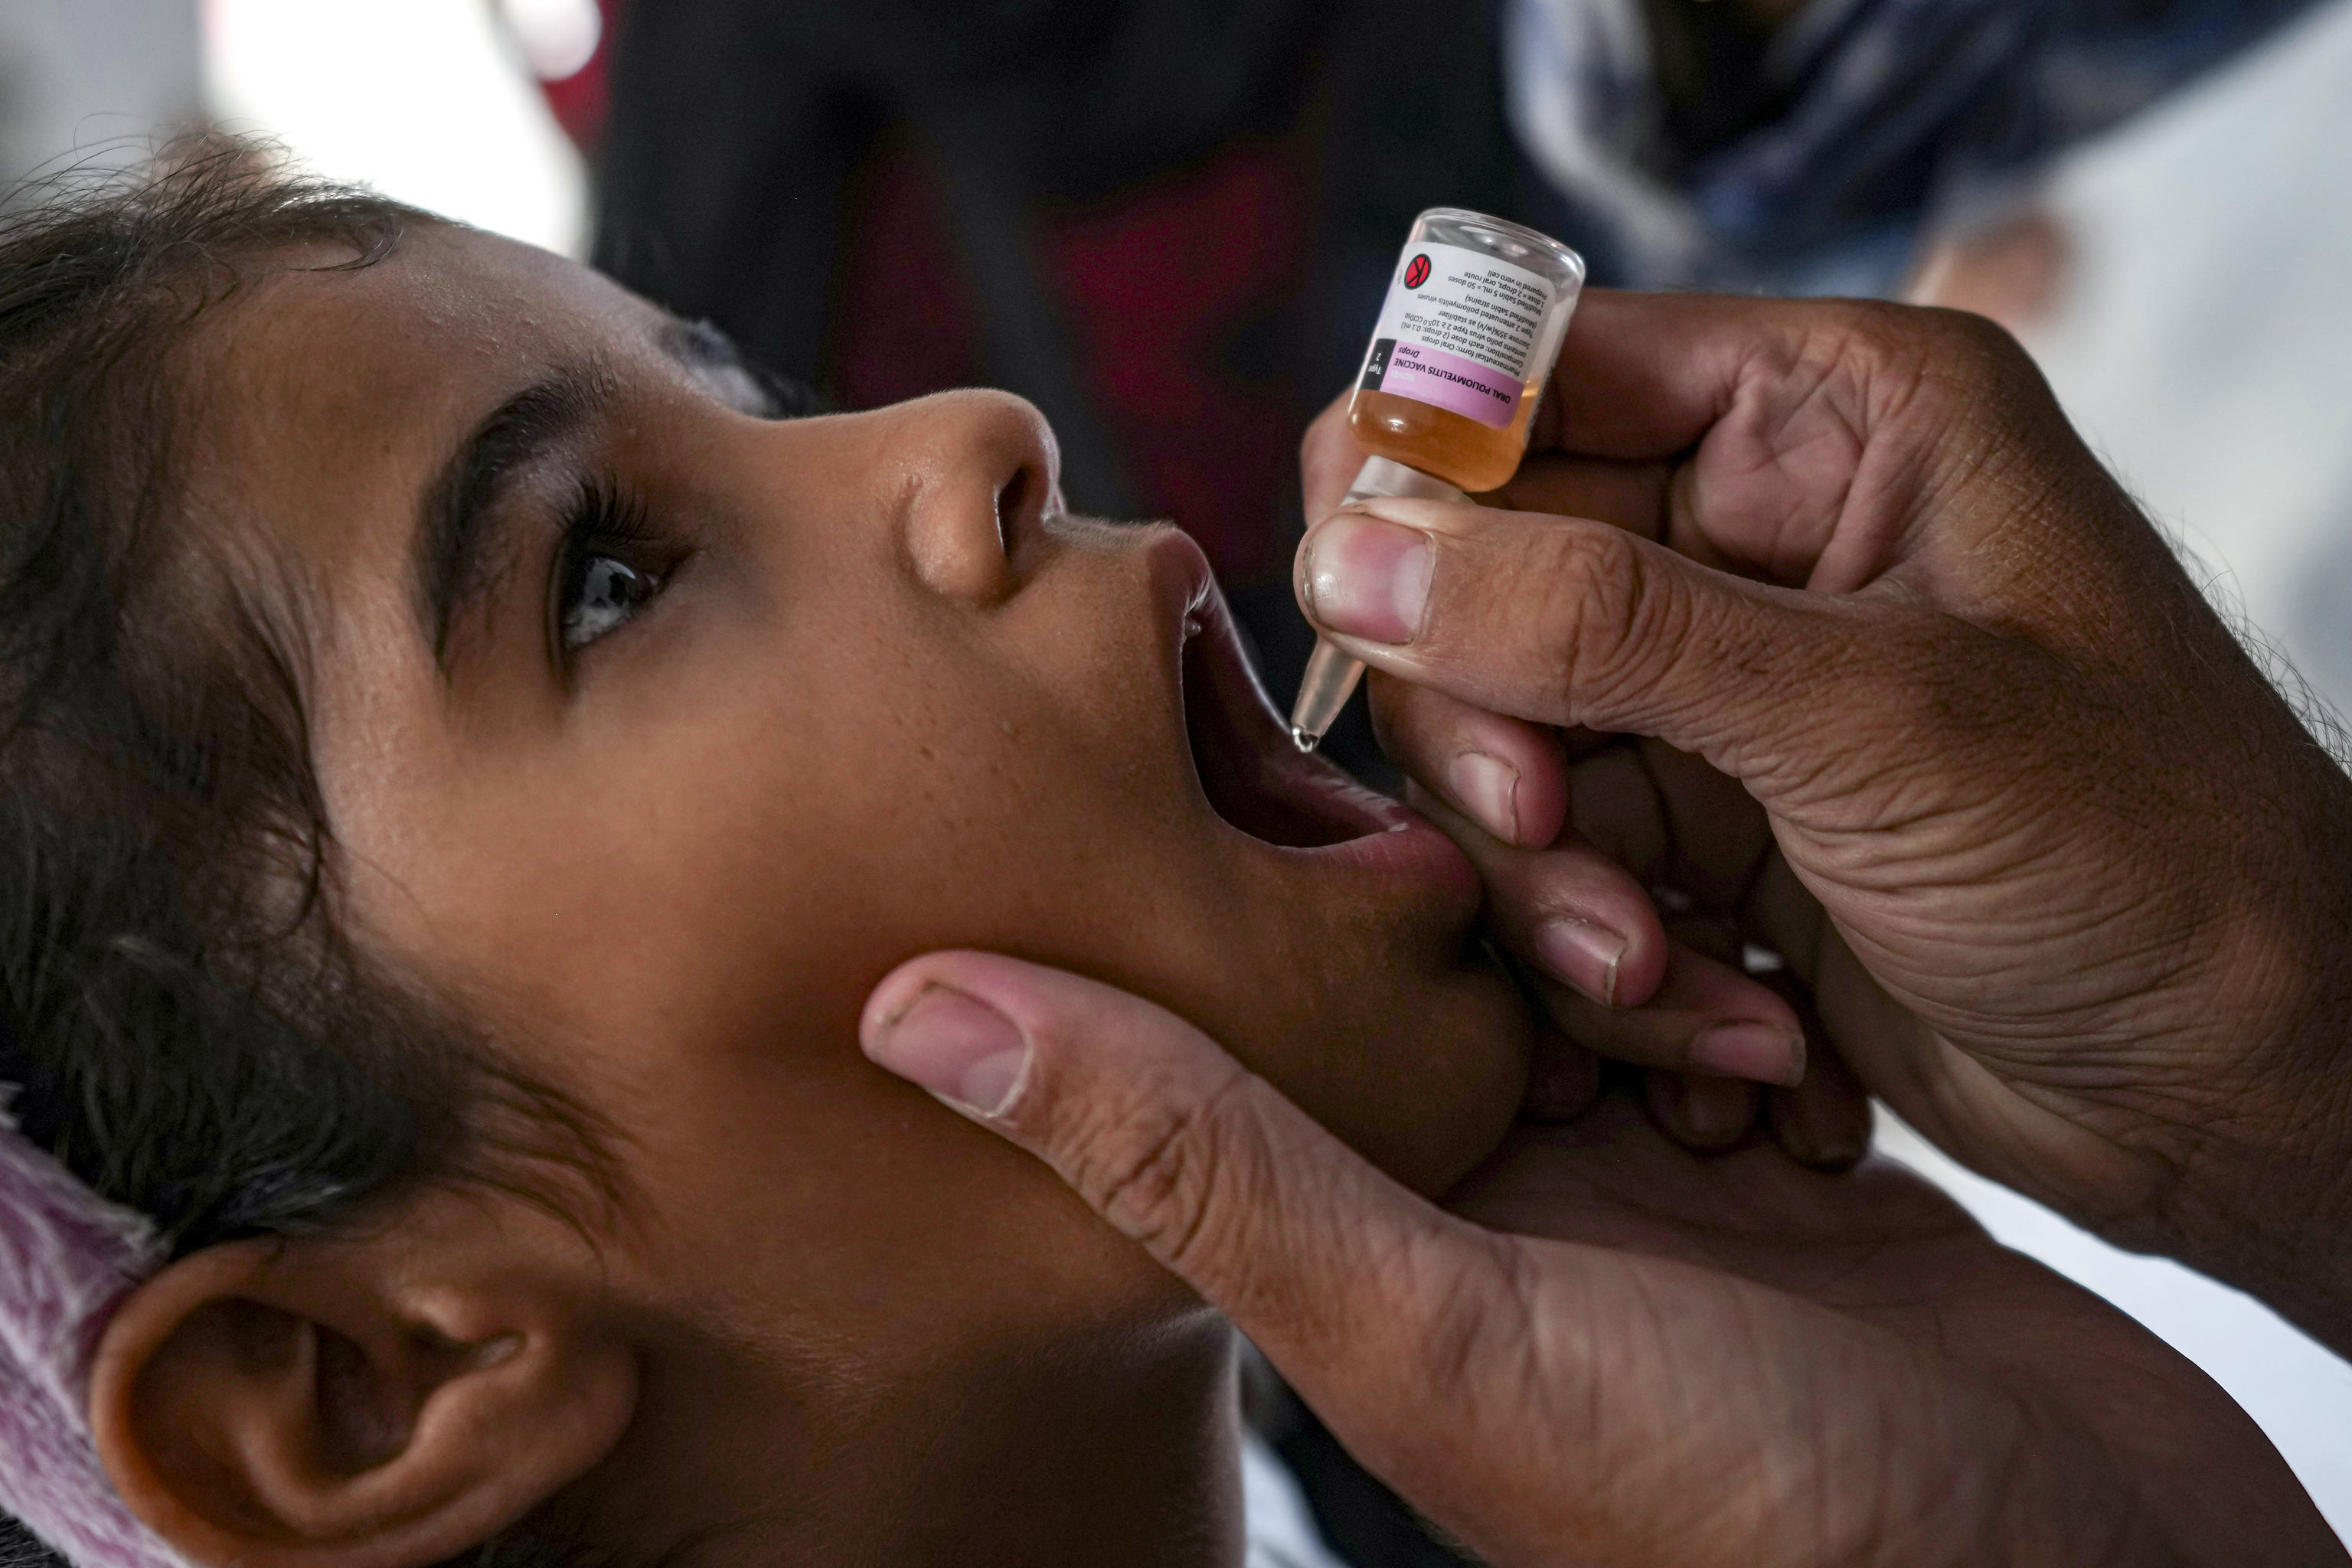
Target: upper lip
1250, 772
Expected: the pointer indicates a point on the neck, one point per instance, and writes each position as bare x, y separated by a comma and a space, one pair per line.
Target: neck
1115, 1454
1118, 1451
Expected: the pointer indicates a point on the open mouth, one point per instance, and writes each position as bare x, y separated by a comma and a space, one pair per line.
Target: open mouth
1256, 777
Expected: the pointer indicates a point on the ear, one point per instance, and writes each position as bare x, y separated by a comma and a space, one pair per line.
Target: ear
384, 1401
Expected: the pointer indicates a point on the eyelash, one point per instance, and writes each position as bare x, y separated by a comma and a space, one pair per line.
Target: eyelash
605, 524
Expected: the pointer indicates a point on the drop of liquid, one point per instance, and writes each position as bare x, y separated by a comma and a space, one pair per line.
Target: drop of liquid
1303, 739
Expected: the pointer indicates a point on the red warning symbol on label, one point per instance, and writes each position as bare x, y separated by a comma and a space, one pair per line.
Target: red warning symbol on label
1416, 272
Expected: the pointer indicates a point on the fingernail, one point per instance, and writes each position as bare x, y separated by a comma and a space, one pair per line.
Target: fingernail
961, 1050
1582, 954
1817, 1133
1764, 1052
1488, 789
1367, 578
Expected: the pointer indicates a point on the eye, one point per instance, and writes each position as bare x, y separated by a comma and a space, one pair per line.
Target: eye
604, 572
601, 596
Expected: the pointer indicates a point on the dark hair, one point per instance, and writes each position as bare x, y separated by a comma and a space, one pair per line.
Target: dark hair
182, 1023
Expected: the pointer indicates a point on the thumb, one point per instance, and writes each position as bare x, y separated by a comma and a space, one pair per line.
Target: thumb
1565, 621
1343, 1277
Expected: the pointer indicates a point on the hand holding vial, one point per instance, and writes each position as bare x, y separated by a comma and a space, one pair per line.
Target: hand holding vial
1816, 625
1925, 708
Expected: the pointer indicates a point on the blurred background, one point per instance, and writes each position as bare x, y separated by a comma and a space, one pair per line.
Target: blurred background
1170, 225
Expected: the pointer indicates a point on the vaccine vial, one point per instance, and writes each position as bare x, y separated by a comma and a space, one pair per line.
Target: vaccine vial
1465, 341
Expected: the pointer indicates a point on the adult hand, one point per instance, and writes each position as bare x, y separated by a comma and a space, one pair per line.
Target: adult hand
1934, 713
1616, 1350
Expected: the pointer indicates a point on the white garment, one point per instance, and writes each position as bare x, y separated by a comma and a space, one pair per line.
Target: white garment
1281, 1528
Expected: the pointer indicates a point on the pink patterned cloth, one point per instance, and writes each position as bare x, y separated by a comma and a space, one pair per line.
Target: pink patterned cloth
67, 1259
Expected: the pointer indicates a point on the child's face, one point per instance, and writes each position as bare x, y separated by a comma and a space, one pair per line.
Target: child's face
813, 697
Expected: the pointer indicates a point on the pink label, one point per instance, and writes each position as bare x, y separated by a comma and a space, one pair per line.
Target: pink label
1450, 382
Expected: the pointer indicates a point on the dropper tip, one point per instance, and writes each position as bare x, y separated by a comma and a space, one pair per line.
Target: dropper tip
1304, 740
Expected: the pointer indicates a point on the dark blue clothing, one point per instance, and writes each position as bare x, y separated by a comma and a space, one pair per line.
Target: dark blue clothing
1839, 135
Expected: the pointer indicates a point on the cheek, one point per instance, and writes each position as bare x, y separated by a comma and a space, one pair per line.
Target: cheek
804, 1197
686, 924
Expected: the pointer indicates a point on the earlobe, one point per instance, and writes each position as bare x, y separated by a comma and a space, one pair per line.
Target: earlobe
323, 1403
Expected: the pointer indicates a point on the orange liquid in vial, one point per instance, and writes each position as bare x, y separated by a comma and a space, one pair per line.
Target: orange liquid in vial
1453, 446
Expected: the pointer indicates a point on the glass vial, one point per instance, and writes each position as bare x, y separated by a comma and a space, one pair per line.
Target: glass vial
1465, 341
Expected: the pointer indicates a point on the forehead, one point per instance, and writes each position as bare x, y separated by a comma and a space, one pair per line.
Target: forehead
444, 300
323, 394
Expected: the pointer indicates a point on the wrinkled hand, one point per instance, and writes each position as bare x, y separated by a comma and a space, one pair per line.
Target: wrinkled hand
1933, 713
1614, 1351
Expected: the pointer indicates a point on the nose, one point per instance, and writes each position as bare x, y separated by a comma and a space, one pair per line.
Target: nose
982, 474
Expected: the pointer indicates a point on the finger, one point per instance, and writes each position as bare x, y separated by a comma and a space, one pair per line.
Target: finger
1705, 1018
1568, 622
1653, 500
1630, 496
1641, 377
1587, 931
1646, 377
1339, 1275
1577, 916
1699, 1110
1563, 1079
1639, 498
1720, 834
1800, 432
1824, 1121
1843, 1007
1640, 806
1783, 911
1505, 775
1613, 802
1328, 458
1806, 429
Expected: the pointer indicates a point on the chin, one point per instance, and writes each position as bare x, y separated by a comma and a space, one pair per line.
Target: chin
1427, 1089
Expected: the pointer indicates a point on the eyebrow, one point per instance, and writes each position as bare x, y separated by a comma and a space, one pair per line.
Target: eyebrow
459, 529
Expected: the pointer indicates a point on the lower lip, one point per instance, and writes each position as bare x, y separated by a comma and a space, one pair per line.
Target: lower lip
1413, 849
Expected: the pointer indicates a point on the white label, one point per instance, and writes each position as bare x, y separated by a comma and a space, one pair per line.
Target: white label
1458, 330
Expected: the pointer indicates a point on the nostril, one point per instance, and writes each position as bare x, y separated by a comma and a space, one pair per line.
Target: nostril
1011, 499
